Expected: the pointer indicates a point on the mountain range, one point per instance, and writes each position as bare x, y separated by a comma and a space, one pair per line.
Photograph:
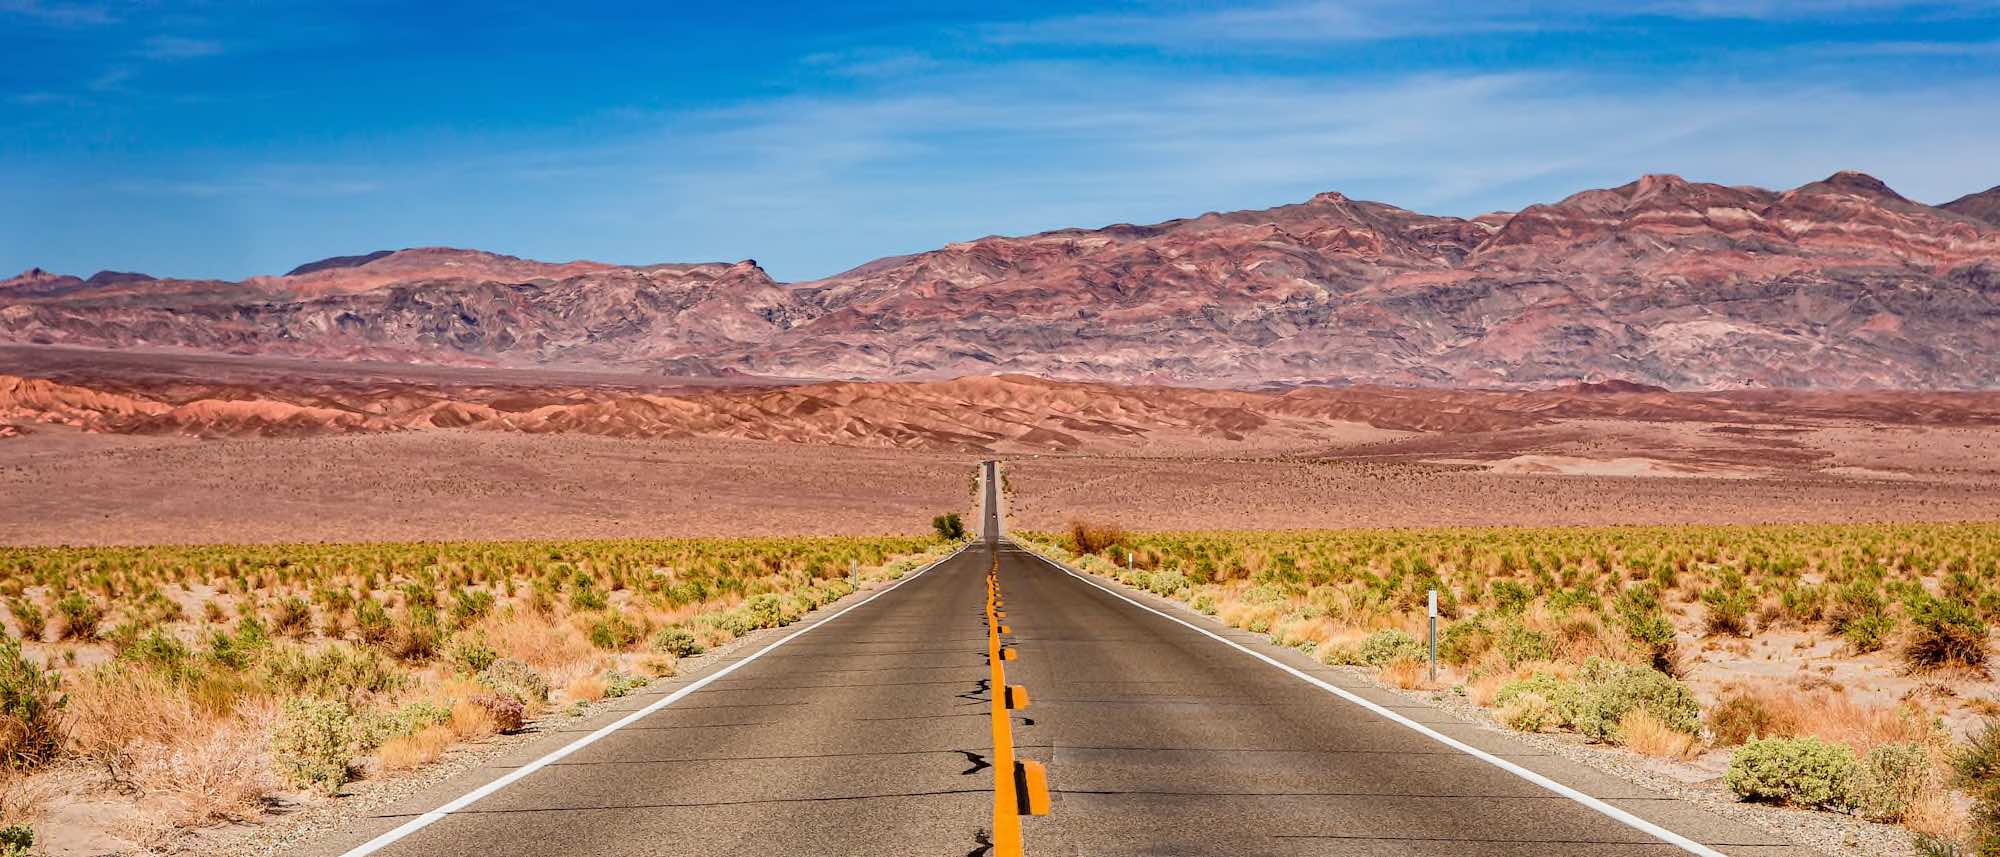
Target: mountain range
1841, 283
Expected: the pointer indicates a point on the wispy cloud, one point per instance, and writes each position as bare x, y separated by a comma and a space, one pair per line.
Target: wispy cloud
1295, 22
178, 48
59, 13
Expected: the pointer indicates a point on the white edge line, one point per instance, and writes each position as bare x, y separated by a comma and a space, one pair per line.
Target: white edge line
1619, 815
471, 797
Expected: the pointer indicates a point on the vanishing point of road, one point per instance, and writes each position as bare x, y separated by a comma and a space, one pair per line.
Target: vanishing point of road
868, 729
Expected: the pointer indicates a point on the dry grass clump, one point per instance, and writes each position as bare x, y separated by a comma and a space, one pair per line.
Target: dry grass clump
1642, 733
1089, 537
416, 749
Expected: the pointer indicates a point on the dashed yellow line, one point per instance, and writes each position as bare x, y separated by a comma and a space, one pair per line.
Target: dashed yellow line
1019, 788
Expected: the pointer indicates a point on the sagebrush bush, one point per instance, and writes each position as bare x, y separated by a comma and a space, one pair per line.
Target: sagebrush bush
517, 677
1528, 712
1890, 780
1520, 644
29, 617
80, 616
506, 710
677, 641
1944, 633
1802, 772
31, 704
1387, 645
313, 745
1729, 606
1608, 690
1462, 642
17, 840
335, 671
1976, 771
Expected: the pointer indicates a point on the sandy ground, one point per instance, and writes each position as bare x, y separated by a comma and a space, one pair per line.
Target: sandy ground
63, 486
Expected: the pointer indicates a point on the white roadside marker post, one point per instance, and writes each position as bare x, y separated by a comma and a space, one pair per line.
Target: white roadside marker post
1434, 636
1128, 564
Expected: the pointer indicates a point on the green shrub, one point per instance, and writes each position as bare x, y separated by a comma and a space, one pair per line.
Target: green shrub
31, 703
949, 526
1461, 643
1869, 633
17, 840
1976, 771
766, 611
469, 605
618, 684
1387, 645
1166, 583
471, 655
511, 676
1646, 624
372, 730
1529, 712
292, 617
372, 623
614, 632
1802, 772
1729, 606
336, 672
1608, 690
1890, 779
1944, 633
28, 615
677, 641
1520, 644
1557, 693
80, 616
313, 745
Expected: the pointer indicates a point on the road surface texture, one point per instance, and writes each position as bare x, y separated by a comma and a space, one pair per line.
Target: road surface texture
868, 734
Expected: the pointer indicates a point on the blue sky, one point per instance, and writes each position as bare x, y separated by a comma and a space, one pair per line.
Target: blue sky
220, 139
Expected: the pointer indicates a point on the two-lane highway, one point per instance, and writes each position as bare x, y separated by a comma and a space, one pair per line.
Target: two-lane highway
870, 732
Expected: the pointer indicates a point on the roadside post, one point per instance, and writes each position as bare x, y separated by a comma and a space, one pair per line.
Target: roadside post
854, 573
1434, 636
1128, 564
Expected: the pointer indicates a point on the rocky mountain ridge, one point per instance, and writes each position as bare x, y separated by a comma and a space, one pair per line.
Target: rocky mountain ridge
1840, 283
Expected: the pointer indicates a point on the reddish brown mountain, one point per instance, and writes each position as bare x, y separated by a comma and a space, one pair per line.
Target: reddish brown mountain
1839, 283
1984, 205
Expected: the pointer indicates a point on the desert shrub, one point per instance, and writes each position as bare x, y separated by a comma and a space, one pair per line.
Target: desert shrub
375, 729
313, 745
28, 615
1511, 596
1520, 644
292, 617
1861, 615
1384, 646
372, 623
1729, 606
1090, 537
1976, 771
471, 655
1644, 734
160, 652
336, 672
766, 611
1528, 712
80, 616
584, 595
1743, 714
618, 684
1944, 633
31, 704
1204, 603
1891, 778
511, 676
418, 635
1803, 604
1556, 692
1166, 583
677, 641
615, 632
470, 605
1802, 772
1608, 690
506, 710
17, 840
949, 526
1646, 624
1461, 643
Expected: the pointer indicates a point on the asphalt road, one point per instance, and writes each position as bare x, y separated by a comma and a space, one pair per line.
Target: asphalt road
869, 735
